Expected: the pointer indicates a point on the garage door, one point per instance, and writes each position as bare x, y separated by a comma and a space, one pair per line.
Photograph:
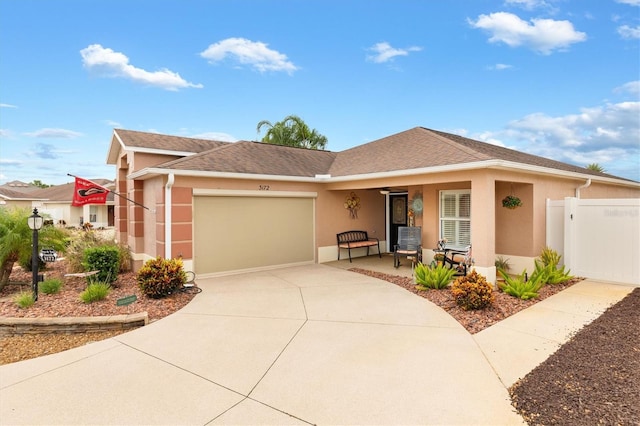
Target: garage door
235, 233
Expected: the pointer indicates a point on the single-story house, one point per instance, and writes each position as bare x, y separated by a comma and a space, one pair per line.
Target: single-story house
244, 206
54, 203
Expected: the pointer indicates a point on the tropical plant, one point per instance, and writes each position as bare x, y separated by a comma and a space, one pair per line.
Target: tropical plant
292, 131
16, 239
95, 292
549, 256
472, 291
437, 277
160, 277
50, 286
502, 264
521, 287
551, 274
595, 167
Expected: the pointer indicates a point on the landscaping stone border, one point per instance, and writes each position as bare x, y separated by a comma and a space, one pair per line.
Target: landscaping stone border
71, 325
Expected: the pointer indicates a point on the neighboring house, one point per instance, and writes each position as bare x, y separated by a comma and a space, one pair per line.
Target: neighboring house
54, 203
229, 207
14, 197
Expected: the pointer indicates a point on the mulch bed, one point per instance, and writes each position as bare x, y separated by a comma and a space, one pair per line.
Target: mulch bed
594, 379
474, 321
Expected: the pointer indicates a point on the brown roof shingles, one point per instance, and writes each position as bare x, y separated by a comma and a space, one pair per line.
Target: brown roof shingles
137, 139
416, 148
258, 158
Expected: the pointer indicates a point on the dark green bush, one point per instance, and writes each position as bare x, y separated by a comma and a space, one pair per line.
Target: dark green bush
105, 259
472, 291
161, 277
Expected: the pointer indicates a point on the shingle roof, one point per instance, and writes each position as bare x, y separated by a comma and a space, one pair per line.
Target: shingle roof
416, 148
64, 192
9, 194
135, 139
422, 148
257, 158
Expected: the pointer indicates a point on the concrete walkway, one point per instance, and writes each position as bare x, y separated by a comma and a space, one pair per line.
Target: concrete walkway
303, 345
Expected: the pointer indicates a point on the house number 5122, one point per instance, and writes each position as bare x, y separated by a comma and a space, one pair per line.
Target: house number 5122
263, 187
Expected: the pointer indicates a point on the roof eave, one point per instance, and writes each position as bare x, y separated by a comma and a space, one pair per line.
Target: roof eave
476, 165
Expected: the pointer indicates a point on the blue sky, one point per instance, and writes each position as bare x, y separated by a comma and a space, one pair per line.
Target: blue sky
557, 78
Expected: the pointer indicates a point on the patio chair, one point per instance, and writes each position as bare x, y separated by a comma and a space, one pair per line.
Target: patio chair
409, 245
460, 260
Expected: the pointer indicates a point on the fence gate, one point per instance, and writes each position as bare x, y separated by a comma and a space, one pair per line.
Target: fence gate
598, 239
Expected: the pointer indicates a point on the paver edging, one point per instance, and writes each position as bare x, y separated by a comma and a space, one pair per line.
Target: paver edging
71, 325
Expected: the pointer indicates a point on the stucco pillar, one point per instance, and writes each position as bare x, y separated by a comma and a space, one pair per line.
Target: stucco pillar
483, 224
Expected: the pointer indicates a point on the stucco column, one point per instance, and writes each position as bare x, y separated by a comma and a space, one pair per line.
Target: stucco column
483, 224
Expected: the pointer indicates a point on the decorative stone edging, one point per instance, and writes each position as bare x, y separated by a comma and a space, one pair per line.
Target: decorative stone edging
71, 325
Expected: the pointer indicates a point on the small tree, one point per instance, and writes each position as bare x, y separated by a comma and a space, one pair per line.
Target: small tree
16, 239
292, 131
596, 167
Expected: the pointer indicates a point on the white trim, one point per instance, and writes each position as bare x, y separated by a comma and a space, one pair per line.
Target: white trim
251, 193
487, 164
168, 217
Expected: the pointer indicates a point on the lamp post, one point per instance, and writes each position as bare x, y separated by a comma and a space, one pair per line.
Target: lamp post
35, 222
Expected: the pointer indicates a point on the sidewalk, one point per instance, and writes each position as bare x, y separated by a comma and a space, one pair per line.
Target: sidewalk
304, 345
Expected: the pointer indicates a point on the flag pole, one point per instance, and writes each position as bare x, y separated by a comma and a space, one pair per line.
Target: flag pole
115, 193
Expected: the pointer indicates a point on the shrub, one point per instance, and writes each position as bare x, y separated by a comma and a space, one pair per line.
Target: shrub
24, 300
502, 264
25, 263
520, 287
472, 291
80, 242
549, 257
50, 286
95, 292
433, 277
551, 274
105, 259
160, 277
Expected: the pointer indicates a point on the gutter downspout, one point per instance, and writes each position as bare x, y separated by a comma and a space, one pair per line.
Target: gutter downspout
167, 215
586, 185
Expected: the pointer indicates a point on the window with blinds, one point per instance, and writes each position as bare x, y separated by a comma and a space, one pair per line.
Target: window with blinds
455, 218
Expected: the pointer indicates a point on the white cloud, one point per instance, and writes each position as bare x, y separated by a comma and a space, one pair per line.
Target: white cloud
607, 135
627, 32
632, 87
500, 67
7, 106
383, 52
216, 136
9, 163
54, 133
113, 124
629, 2
541, 35
4, 133
246, 52
107, 62
527, 4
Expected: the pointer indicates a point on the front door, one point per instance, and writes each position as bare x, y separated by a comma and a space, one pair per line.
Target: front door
397, 216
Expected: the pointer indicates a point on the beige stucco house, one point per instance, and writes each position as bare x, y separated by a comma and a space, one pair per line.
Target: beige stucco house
229, 207
55, 203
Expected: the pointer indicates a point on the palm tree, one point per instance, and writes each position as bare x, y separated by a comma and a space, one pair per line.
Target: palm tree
596, 167
16, 240
292, 131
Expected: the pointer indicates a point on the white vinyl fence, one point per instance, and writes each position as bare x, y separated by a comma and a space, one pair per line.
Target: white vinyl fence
598, 239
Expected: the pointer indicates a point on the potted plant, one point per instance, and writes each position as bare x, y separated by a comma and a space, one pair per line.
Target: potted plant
511, 202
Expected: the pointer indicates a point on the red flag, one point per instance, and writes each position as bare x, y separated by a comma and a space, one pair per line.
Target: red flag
87, 192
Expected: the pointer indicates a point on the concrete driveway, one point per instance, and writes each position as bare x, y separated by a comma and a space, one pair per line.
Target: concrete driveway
303, 345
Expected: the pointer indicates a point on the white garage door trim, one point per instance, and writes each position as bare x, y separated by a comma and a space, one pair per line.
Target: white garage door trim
301, 250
